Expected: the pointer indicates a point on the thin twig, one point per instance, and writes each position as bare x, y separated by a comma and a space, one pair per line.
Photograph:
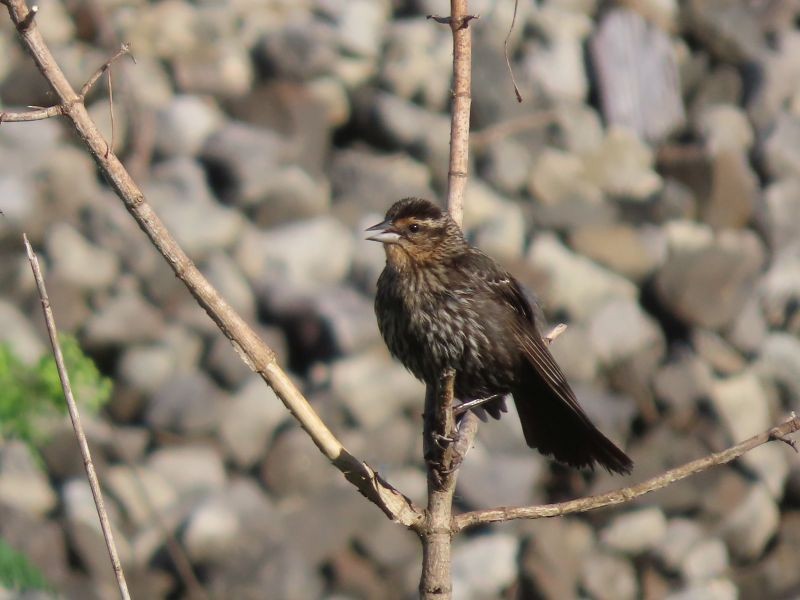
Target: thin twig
31, 115
627, 494
94, 484
123, 50
505, 51
251, 348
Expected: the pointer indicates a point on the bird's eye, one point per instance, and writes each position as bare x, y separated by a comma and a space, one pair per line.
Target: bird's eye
413, 228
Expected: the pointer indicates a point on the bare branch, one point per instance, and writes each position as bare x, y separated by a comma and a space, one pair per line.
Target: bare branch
505, 51
253, 351
94, 484
627, 494
123, 50
31, 115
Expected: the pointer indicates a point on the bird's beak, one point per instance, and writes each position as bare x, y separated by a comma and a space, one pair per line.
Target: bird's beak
386, 233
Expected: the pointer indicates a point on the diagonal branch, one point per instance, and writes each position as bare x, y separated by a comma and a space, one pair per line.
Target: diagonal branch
253, 351
91, 474
627, 494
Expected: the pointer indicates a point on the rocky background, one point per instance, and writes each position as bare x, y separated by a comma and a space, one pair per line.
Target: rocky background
648, 190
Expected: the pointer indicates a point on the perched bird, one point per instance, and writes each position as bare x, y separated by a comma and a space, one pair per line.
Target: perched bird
443, 304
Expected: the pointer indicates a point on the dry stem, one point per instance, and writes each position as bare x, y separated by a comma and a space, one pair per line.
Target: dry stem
627, 494
94, 484
256, 354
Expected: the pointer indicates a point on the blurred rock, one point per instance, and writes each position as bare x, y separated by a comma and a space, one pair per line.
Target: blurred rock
634, 253
706, 560
734, 191
144, 494
192, 469
184, 124
306, 255
211, 530
782, 199
680, 536
781, 147
79, 262
224, 274
701, 265
622, 166
637, 75
483, 566
607, 577
249, 422
726, 129
716, 589
729, 29
553, 557
499, 480
720, 355
749, 528
635, 532
749, 329
560, 177
682, 383
219, 67
294, 466
359, 380
19, 334
575, 284
620, 329
23, 483
189, 404
779, 361
110, 324
180, 194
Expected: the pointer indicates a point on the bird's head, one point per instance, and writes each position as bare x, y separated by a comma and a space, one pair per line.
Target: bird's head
417, 232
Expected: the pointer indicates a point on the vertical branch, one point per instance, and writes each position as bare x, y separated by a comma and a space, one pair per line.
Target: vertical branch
94, 484
439, 434
462, 100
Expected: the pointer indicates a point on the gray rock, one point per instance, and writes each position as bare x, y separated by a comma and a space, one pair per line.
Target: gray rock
780, 286
79, 262
637, 75
192, 469
635, 532
144, 494
26, 147
575, 284
218, 67
749, 528
243, 160
734, 191
560, 177
781, 147
19, 334
782, 198
413, 60
700, 266
632, 252
575, 354
682, 383
363, 181
779, 69
706, 560
180, 194
388, 545
249, 422
680, 536
212, 529
189, 403
483, 566
110, 324
622, 166
85, 535
749, 329
580, 127
284, 256
500, 479
294, 466
356, 382
620, 330
556, 66
184, 124
775, 576
302, 49
725, 128
19, 199
716, 351
23, 483
729, 29
42, 542
224, 274
779, 361
716, 589
555, 554
493, 223
360, 25
506, 164
609, 577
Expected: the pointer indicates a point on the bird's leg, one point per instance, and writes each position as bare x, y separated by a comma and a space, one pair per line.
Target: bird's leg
470, 404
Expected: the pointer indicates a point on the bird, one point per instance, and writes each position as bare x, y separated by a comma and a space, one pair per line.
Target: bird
442, 304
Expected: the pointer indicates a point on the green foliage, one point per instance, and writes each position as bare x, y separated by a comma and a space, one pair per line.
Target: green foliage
17, 573
31, 394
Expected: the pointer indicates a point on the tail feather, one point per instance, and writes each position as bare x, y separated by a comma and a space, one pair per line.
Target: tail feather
556, 429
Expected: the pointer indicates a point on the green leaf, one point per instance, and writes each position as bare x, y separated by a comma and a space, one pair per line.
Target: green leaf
17, 573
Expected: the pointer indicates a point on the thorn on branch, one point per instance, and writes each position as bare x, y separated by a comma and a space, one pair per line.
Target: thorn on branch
465, 21
438, 19
777, 436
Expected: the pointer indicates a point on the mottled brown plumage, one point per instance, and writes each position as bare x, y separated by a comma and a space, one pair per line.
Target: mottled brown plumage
443, 304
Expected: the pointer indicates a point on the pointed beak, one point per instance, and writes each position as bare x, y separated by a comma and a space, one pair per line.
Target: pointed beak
386, 234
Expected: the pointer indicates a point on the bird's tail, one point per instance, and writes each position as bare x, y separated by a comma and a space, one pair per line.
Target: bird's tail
562, 430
